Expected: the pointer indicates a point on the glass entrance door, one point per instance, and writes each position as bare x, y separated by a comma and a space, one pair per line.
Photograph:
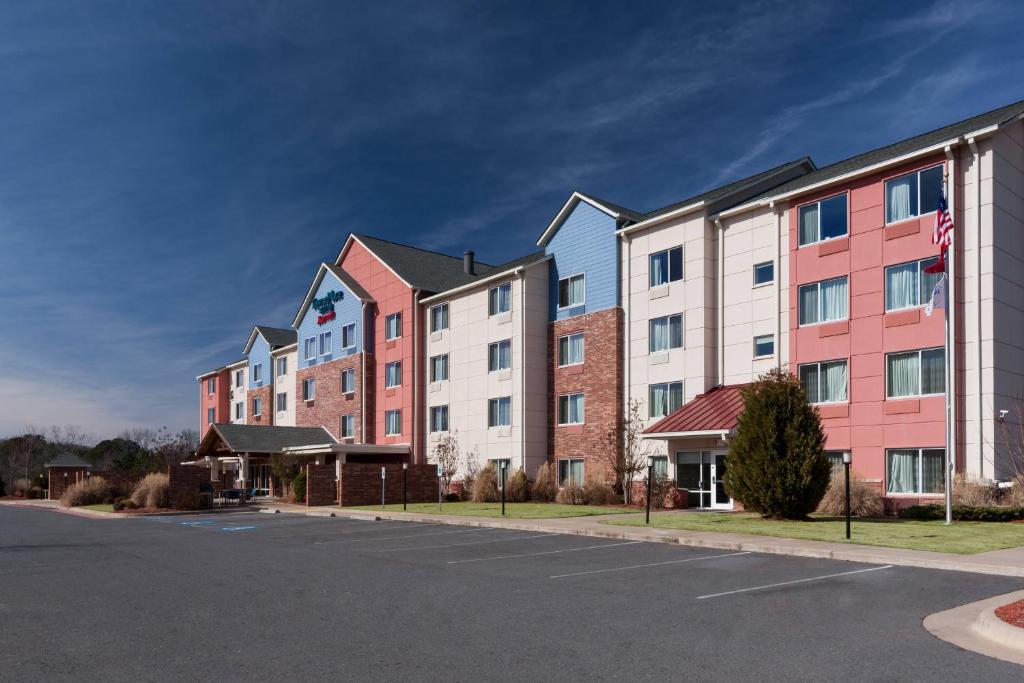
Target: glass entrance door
700, 474
259, 478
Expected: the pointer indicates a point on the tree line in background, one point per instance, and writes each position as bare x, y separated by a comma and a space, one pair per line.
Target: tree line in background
138, 450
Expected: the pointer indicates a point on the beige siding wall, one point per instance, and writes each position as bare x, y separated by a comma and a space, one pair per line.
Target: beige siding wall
285, 385
238, 394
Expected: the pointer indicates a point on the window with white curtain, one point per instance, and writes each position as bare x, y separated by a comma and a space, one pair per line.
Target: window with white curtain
824, 382
348, 336
824, 301
666, 266
499, 355
326, 344
210, 415
439, 317
499, 299
572, 291
913, 194
309, 389
915, 470
915, 373
660, 466
570, 469
282, 366
570, 349
835, 459
392, 422
257, 406
348, 426
309, 348
907, 285
393, 374
664, 398
393, 326
348, 381
439, 368
211, 385
823, 220
499, 412
666, 333
282, 402
439, 418
239, 381
764, 273
257, 373
570, 409
239, 410
764, 346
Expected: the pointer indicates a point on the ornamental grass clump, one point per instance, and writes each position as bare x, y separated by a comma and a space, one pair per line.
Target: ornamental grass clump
152, 491
485, 485
89, 491
865, 499
571, 494
517, 488
544, 487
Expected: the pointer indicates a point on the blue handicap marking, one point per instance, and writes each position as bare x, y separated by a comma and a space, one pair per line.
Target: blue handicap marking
196, 522
159, 518
236, 528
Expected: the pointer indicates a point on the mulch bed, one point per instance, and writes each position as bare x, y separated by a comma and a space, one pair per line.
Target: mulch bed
1012, 614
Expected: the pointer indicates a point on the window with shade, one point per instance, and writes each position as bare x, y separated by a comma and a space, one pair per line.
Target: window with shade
666, 333
572, 291
570, 409
664, 398
910, 374
499, 356
570, 349
825, 301
499, 299
824, 220
825, 382
764, 346
764, 273
913, 194
570, 470
499, 412
666, 266
915, 470
908, 285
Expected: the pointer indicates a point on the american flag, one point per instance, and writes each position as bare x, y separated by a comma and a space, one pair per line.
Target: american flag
942, 234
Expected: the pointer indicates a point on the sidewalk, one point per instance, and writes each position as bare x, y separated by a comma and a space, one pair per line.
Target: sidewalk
1007, 562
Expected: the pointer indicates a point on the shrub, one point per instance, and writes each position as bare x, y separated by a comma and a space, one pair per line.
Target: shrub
1015, 496
674, 500
517, 488
299, 487
865, 499
485, 485
777, 463
452, 498
973, 493
597, 492
2, 490
124, 504
152, 491
964, 513
21, 487
544, 488
89, 491
570, 494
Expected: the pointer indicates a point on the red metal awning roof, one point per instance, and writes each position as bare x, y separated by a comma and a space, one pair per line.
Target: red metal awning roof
715, 410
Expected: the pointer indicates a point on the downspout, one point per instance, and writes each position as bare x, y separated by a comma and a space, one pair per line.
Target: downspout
362, 379
627, 346
416, 384
719, 307
951, 312
777, 210
972, 143
522, 370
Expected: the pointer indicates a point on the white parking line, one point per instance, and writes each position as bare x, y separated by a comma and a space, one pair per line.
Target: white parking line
396, 538
653, 564
546, 552
453, 545
790, 583
362, 530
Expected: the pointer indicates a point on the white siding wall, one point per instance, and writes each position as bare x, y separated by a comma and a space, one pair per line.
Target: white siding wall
238, 393
285, 385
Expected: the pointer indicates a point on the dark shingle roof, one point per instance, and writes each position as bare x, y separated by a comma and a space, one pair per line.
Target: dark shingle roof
277, 336
617, 208
270, 438
67, 459
349, 282
427, 270
908, 146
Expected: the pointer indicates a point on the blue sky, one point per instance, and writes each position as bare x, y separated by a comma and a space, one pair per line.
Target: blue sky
173, 172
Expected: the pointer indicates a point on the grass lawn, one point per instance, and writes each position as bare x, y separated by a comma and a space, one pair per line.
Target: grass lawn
964, 538
512, 510
100, 507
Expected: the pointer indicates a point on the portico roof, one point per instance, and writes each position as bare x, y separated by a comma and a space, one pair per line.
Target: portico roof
715, 412
239, 438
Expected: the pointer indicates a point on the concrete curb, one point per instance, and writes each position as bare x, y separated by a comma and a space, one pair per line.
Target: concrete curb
976, 627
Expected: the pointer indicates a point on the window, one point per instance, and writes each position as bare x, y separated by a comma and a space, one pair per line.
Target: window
835, 459
348, 336
257, 406
392, 422
570, 469
915, 470
660, 466
823, 220
666, 333
439, 418
571, 291
570, 409
915, 373
239, 381
393, 374
499, 299
822, 302
907, 285
211, 385
211, 415
239, 409
439, 368
393, 326
282, 402
764, 273
570, 349
309, 389
348, 381
764, 346
348, 426
503, 474
824, 382
499, 355
439, 318
309, 349
257, 373
666, 266
913, 194
499, 412
664, 398
282, 366
325, 344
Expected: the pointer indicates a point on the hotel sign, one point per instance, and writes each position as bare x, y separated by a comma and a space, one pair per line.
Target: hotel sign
325, 306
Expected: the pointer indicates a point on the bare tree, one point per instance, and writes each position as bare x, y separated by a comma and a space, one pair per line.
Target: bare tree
70, 436
1011, 425
446, 454
626, 452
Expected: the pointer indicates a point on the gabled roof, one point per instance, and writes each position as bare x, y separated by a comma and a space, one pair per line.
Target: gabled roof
338, 272
239, 438
496, 273
275, 336
614, 210
996, 117
717, 410
67, 459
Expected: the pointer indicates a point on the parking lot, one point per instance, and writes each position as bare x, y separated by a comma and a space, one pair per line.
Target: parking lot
255, 596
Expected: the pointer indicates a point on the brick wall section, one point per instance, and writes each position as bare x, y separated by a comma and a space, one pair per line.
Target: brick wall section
266, 416
185, 481
321, 485
330, 404
601, 381
57, 479
360, 484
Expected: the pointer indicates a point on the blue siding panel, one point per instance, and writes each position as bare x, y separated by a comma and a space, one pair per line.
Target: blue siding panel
348, 311
585, 243
260, 354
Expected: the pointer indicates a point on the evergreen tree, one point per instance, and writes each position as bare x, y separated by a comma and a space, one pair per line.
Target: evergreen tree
777, 464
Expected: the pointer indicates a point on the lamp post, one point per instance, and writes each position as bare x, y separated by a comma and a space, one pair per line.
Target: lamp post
504, 464
405, 486
650, 485
846, 505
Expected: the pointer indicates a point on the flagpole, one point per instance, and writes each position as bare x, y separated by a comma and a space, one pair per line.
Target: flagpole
949, 310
